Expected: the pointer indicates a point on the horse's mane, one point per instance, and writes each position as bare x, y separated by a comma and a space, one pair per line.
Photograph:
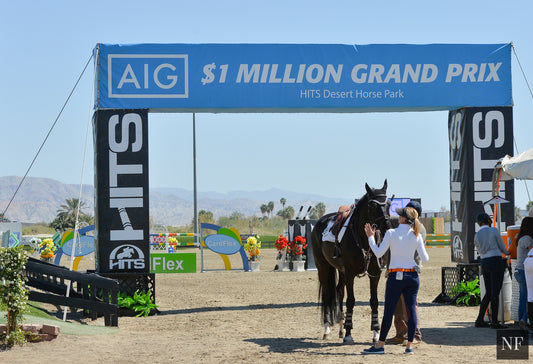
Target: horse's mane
358, 208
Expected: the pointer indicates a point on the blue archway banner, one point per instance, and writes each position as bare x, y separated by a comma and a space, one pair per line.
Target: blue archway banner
302, 77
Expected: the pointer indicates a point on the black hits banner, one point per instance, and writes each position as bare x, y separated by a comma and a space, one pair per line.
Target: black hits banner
479, 137
122, 224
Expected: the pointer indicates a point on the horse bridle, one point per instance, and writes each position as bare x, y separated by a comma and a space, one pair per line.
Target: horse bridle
384, 207
384, 216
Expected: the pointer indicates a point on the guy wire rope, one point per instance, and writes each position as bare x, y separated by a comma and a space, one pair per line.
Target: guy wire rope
76, 223
47, 135
531, 93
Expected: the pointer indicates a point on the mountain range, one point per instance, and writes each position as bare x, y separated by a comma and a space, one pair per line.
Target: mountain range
38, 200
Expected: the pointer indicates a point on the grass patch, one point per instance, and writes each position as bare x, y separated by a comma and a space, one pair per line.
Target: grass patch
35, 314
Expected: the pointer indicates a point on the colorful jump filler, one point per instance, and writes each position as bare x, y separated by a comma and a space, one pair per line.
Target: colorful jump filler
84, 245
225, 242
164, 257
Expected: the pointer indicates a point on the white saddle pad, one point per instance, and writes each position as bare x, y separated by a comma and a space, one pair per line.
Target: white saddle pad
327, 234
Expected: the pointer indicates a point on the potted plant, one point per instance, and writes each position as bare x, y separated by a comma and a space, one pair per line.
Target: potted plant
172, 244
47, 250
468, 293
296, 251
253, 247
281, 245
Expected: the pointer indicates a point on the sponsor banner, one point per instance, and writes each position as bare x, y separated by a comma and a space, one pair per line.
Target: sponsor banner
122, 235
398, 203
479, 137
173, 263
302, 77
222, 244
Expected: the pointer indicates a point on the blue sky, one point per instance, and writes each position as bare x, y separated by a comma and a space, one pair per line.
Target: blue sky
47, 44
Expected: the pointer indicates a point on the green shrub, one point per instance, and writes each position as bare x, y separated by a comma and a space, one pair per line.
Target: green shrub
13, 292
141, 302
468, 293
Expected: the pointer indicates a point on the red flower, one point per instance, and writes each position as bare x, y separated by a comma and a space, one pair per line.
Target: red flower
297, 246
281, 242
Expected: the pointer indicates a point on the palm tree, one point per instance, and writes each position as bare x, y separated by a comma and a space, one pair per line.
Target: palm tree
264, 209
283, 201
205, 216
320, 209
270, 207
66, 215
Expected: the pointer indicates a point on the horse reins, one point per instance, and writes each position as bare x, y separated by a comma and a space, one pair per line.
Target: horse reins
366, 253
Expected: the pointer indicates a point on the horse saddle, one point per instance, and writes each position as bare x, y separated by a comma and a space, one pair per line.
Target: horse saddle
340, 218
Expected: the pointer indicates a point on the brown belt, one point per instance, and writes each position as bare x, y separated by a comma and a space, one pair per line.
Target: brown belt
401, 270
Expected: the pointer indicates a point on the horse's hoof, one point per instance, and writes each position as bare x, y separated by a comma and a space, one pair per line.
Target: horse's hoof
342, 333
326, 337
348, 340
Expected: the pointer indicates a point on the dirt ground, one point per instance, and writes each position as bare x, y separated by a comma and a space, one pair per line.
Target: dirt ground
266, 317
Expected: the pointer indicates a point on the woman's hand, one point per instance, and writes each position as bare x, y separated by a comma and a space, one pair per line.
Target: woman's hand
369, 230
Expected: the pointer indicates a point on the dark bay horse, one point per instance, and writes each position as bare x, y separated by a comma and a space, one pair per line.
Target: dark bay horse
354, 258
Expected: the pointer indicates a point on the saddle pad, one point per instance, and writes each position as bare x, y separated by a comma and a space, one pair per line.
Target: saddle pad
328, 235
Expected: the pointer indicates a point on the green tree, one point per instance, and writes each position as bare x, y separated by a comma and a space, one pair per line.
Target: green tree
270, 207
205, 216
66, 215
237, 216
264, 209
529, 206
517, 214
319, 210
283, 201
286, 213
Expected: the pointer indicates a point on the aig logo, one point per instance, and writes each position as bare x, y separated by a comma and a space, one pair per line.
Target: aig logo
126, 257
148, 76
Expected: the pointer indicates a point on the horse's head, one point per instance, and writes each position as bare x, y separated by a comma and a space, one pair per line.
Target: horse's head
378, 206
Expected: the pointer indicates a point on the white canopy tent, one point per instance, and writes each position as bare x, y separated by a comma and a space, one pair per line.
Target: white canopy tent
508, 168
519, 167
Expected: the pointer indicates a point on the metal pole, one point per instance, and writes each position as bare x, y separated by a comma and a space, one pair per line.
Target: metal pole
195, 197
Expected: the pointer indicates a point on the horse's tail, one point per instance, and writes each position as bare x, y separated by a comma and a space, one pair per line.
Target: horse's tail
327, 294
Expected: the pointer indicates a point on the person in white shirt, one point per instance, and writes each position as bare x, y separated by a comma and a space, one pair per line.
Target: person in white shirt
524, 245
528, 271
403, 277
489, 243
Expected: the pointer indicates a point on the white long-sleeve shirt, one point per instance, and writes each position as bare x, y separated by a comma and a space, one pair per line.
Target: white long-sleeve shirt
403, 243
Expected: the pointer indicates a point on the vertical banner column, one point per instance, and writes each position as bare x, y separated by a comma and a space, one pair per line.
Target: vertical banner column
479, 137
122, 223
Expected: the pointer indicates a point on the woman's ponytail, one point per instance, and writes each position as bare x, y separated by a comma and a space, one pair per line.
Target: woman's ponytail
412, 218
416, 227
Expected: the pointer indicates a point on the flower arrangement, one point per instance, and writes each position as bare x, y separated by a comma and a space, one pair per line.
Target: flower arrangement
281, 244
253, 247
47, 249
296, 248
173, 242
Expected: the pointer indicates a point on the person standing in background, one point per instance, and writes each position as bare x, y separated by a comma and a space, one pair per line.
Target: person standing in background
528, 270
489, 243
524, 245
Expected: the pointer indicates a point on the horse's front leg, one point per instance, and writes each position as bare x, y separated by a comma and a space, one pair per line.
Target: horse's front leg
350, 303
374, 304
